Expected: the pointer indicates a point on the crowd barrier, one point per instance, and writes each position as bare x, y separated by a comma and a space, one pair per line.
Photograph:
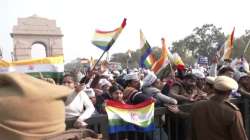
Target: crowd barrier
169, 126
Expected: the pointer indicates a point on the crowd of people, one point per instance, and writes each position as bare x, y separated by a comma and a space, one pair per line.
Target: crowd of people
132, 86
213, 115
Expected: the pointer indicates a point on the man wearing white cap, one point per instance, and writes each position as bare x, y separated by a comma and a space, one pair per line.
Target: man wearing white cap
152, 87
217, 118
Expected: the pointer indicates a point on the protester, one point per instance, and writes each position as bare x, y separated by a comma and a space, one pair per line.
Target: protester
91, 94
78, 106
116, 93
227, 71
132, 93
217, 118
104, 85
244, 86
152, 88
184, 91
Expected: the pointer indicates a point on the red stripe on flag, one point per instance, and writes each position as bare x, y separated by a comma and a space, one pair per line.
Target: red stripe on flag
128, 106
122, 26
232, 38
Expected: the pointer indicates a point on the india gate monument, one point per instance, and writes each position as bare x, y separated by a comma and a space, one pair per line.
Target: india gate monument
36, 30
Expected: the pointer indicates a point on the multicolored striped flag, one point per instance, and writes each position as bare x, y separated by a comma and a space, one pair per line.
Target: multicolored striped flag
228, 47
160, 66
147, 58
49, 66
177, 61
124, 117
105, 39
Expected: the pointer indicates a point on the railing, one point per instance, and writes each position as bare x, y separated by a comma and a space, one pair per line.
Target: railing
174, 126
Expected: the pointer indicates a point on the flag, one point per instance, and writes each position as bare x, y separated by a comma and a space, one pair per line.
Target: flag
160, 66
105, 39
177, 61
147, 58
124, 117
52, 67
228, 47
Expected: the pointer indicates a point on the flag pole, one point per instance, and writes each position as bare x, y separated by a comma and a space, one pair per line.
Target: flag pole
245, 50
98, 60
171, 70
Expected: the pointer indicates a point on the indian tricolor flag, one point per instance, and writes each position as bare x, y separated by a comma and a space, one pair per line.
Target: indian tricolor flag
147, 58
105, 39
48, 66
125, 117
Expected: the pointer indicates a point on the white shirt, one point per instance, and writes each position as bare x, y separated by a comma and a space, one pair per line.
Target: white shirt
79, 105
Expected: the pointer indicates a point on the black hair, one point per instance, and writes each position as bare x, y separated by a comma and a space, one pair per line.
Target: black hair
84, 80
210, 85
224, 70
114, 88
68, 75
127, 82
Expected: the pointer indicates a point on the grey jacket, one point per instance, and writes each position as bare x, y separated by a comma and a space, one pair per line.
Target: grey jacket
156, 93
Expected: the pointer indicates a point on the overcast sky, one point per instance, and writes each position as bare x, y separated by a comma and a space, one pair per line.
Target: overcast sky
78, 19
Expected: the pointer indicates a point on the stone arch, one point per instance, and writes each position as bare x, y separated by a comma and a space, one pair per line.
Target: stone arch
38, 46
33, 30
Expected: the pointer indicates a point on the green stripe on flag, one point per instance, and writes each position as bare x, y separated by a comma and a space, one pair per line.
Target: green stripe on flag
116, 122
57, 76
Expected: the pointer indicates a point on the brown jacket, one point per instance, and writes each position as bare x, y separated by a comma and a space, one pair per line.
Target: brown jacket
217, 119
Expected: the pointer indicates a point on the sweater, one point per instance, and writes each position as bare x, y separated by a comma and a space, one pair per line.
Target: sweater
79, 105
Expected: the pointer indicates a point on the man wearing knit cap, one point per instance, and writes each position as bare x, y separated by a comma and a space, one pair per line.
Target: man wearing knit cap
217, 118
132, 94
30, 109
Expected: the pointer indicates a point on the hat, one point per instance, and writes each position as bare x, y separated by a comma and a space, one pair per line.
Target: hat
149, 79
90, 92
131, 76
238, 75
210, 80
245, 66
103, 82
198, 73
135, 70
225, 83
30, 108
116, 73
128, 92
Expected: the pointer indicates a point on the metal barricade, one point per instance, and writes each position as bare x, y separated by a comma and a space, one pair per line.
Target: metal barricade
168, 125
